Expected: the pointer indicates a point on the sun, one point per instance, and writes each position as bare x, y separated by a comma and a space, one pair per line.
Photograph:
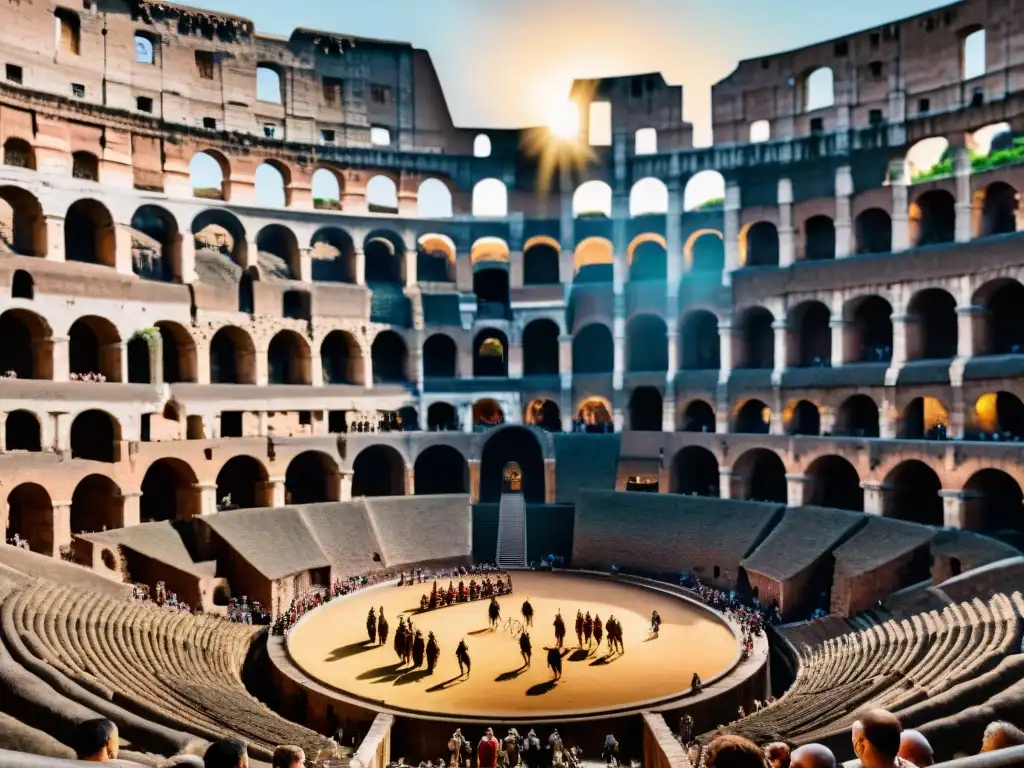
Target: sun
565, 121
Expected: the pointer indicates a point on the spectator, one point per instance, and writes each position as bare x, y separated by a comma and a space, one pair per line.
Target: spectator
487, 751
95, 741
812, 756
876, 740
288, 756
914, 748
778, 754
732, 751
1000, 735
226, 753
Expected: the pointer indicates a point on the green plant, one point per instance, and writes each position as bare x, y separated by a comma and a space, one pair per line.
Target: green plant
149, 335
714, 202
999, 158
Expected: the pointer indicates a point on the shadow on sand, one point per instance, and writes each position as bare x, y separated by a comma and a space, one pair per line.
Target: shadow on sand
413, 676
603, 660
484, 631
446, 684
580, 654
512, 675
541, 688
387, 669
350, 650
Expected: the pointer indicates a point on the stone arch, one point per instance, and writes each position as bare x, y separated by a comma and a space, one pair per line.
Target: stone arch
701, 346
648, 258
512, 445
241, 484
699, 416
802, 418
440, 469
27, 351
169, 492
155, 244
85, 166
279, 251
704, 190
333, 256
757, 339
178, 352
30, 516
408, 419
993, 504
704, 252
272, 184
246, 290
269, 84
819, 238
759, 245
540, 261
381, 194
912, 494
22, 224
326, 185
89, 234
695, 472
833, 482
761, 476
341, 359
288, 359
490, 354
487, 413
384, 256
648, 196
18, 153
216, 231
857, 416
435, 259
390, 359
312, 477
594, 414
809, 324
1003, 321
999, 209
999, 415
593, 261
645, 410
543, 413
210, 175
22, 431
819, 89
433, 200
934, 332
490, 198
541, 348
933, 218
489, 251
873, 231
232, 357
924, 418
752, 417
94, 347
95, 436
440, 357
973, 62
22, 285
868, 336
482, 145
96, 505
442, 417
593, 350
492, 290
139, 362
592, 199
646, 344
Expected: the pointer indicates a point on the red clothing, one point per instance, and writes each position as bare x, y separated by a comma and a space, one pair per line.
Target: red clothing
487, 752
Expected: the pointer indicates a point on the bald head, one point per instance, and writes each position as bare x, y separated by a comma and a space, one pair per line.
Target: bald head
778, 754
914, 747
812, 756
876, 738
1000, 735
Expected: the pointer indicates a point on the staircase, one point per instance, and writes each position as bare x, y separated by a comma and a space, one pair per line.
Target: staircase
512, 531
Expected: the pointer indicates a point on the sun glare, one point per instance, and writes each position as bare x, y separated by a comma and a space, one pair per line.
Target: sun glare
565, 121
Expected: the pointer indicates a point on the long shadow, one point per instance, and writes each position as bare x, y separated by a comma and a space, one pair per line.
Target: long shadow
449, 683
603, 660
512, 675
411, 677
541, 688
484, 631
387, 669
345, 651
581, 654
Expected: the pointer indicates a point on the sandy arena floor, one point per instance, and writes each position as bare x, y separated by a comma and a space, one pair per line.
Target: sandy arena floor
331, 645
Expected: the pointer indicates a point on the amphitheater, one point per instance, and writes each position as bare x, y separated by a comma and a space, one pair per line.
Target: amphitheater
275, 323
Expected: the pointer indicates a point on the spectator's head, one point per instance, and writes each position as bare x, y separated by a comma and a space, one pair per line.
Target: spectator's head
778, 754
876, 738
1000, 735
914, 747
95, 741
812, 756
288, 756
226, 753
732, 751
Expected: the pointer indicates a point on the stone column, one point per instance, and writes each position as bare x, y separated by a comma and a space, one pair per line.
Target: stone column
61, 357
566, 409
674, 236
55, 238
964, 196
900, 205
888, 421
187, 258
367, 367
787, 253
131, 512
731, 231
619, 340
725, 489
956, 506
839, 328
467, 418
843, 222
474, 480
796, 487
411, 268
360, 275
726, 340
965, 341
781, 329
273, 491
61, 526
345, 484
261, 423
550, 479
62, 431
410, 480
207, 493
874, 497
305, 265
565, 355
900, 326
668, 403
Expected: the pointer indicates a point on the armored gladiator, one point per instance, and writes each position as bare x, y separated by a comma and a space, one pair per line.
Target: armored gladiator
579, 628
456, 746
614, 630
557, 748
588, 628
598, 630
400, 637
525, 647
655, 624
371, 626
531, 753
494, 613
527, 613
410, 639
382, 628
559, 629
433, 652
462, 654
555, 662
418, 648
510, 753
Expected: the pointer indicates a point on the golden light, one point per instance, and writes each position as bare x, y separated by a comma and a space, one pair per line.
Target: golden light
565, 121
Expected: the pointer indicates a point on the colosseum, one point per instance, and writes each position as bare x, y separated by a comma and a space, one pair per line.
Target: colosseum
269, 319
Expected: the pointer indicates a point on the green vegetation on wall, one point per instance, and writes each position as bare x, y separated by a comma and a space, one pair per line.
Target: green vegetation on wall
998, 158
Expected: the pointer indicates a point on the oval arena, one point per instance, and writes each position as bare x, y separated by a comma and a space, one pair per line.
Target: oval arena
277, 334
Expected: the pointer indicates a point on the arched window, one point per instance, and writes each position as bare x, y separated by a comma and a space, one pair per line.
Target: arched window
144, 48
271, 185
268, 85
646, 141
490, 198
482, 145
648, 196
972, 55
592, 198
382, 195
326, 190
819, 89
760, 130
85, 166
434, 200
68, 31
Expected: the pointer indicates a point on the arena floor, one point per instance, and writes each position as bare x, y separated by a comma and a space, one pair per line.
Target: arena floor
331, 646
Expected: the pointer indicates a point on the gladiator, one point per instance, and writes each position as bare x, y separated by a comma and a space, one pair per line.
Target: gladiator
527, 613
588, 628
462, 654
494, 613
655, 623
559, 629
382, 628
371, 626
511, 749
555, 662
579, 628
418, 648
524, 647
400, 638
598, 629
612, 627
433, 652
425, 603
409, 640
